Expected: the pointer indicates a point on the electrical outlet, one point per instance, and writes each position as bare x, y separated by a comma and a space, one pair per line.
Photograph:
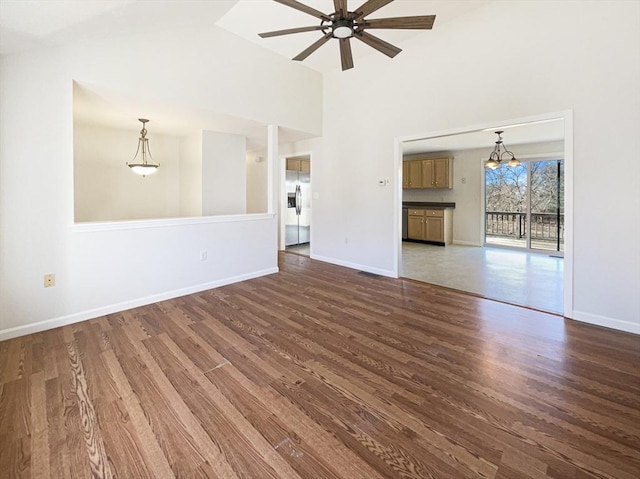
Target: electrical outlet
49, 280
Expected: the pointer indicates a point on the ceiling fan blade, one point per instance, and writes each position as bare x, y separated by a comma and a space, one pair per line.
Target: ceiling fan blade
369, 7
304, 8
290, 30
313, 47
380, 45
345, 54
424, 22
341, 7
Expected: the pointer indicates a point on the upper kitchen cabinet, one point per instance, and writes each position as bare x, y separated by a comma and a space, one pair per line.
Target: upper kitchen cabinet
301, 164
427, 173
436, 174
412, 174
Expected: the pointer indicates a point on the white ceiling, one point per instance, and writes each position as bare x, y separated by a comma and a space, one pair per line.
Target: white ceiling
523, 133
29, 24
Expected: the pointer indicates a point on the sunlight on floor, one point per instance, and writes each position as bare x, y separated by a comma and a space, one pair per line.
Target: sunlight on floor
527, 279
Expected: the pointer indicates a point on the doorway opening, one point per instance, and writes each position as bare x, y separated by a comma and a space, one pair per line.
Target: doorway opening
538, 272
297, 216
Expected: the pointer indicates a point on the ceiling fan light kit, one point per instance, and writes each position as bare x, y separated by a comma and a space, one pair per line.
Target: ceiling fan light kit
344, 25
342, 28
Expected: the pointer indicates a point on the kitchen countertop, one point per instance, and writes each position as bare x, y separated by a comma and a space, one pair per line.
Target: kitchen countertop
428, 204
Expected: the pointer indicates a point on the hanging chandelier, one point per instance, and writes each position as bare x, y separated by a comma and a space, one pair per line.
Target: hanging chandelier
145, 166
497, 156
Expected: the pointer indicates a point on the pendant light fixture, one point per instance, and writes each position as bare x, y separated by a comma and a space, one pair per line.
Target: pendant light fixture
145, 166
496, 157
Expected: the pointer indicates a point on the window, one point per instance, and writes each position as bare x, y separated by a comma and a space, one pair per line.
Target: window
524, 205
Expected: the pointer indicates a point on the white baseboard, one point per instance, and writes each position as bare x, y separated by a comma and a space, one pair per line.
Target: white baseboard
466, 243
115, 308
361, 267
621, 325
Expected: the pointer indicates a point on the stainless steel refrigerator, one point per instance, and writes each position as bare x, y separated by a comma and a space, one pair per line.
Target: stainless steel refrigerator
298, 214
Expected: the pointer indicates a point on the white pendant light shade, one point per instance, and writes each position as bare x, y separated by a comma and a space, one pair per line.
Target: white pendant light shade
143, 170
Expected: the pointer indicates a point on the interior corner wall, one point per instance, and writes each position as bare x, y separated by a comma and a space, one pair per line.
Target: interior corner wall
101, 271
257, 182
502, 61
190, 175
224, 174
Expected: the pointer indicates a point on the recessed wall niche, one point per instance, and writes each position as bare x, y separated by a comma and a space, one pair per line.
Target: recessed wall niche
207, 160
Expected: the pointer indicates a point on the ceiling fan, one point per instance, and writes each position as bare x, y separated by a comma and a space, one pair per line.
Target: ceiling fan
344, 25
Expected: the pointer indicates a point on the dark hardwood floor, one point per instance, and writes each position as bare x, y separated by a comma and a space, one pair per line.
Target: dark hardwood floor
321, 372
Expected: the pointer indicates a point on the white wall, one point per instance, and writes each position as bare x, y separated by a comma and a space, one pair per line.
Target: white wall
224, 174
507, 60
107, 190
257, 197
468, 196
190, 195
98, 271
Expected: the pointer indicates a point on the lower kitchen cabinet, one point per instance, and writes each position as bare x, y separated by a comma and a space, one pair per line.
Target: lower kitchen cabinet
434, 229
415, 226
430, 225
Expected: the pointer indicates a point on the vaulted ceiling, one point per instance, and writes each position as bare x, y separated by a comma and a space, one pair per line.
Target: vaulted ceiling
28, 24
31, 24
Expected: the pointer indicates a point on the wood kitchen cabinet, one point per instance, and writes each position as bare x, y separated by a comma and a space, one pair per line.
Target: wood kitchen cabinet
434, 226
430, 225
299, 164
435, 173
415, 224
427, 173
412, 174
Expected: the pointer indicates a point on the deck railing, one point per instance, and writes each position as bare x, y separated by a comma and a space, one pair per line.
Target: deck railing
544, 226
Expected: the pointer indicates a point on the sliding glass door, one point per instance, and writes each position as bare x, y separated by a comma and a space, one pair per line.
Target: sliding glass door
524, 205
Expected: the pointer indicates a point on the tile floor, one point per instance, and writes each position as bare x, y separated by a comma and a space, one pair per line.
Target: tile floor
303, 249
527, 279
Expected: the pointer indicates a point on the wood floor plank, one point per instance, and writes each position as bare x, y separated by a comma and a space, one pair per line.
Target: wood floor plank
228, 419
123, 443
172, 434
321, 372
183, 436
300, 455
323, 442
92, 435
4, 357
40, 464
150, 449
15, 428
59, 452
15, 357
